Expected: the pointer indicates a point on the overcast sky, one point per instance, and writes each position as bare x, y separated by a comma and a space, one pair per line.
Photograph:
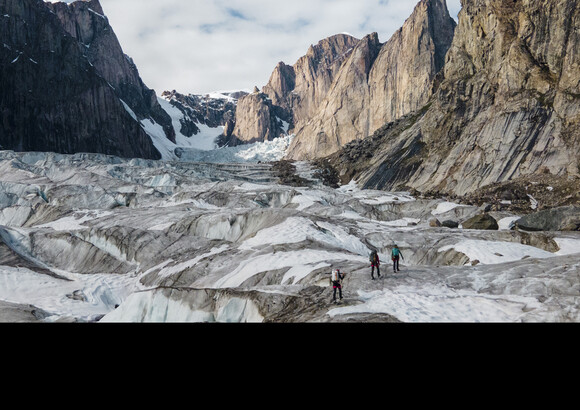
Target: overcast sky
200, 46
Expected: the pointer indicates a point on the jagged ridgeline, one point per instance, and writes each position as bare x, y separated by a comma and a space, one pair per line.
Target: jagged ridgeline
66, 86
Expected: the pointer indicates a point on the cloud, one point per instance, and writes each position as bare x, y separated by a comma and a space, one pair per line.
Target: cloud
199, 46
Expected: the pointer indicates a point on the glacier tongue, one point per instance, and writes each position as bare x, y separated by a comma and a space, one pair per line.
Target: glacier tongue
90, 237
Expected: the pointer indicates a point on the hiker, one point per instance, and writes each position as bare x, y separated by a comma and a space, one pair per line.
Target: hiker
336, 280
395, 253
375, 263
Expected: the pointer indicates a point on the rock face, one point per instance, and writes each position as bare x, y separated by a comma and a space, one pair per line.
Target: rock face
257, 120
344, 88
343, 115
379, 83
293, 93
401, 80
508, 105
66, 85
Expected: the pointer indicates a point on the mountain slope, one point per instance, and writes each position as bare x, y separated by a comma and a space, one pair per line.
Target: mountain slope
66, 85
508, 107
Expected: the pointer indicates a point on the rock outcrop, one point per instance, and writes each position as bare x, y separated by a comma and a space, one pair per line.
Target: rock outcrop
257, 120
481, 221
566, 218
66, 85
507, 106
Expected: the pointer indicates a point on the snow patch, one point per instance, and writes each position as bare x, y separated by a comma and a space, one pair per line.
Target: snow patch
495, 252
75, 221
506, 224
444, 207
568, 246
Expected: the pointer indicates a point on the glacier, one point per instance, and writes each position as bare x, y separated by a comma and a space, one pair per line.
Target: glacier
215, 237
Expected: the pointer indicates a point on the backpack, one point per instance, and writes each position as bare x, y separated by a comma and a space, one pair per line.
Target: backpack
335, 277
373, 256
395, 251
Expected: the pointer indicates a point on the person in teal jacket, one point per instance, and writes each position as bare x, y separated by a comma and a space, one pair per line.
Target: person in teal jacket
395, 254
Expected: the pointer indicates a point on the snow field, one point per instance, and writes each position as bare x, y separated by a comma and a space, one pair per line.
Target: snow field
438, 304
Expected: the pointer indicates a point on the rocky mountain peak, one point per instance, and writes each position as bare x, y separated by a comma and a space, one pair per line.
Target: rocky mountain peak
205, 111
66, 86
379, 82
507, 106
311, 76
292, 93
327, 50
86, 22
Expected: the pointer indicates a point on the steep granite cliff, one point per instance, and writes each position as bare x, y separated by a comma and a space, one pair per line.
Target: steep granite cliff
343, 115
256, 120
379, 83
294, 93
507, 108
67, 87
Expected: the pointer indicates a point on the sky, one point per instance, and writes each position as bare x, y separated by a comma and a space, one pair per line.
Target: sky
202, 46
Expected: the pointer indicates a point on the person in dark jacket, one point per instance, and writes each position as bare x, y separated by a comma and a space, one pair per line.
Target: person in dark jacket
395, 254
375, 263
